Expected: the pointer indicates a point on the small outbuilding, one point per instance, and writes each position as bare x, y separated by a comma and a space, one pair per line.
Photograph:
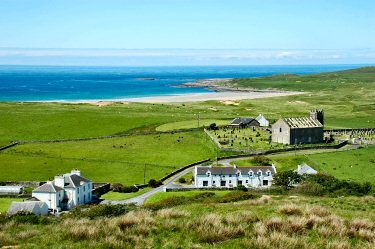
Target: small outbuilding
35, 207
244, 122
262, 121
305, 169
11, 190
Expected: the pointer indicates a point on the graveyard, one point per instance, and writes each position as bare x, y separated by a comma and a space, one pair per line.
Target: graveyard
252, 138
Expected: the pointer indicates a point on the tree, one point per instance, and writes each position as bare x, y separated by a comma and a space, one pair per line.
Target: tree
213, 127
286, 178
154, 183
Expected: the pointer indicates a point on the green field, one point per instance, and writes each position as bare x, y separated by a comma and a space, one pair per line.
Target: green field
191, 124
107, 160
114, 196
5, 203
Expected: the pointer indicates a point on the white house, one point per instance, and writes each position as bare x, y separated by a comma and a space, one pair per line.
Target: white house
36, 207
65, 191
305, 169
228, 177
262, 120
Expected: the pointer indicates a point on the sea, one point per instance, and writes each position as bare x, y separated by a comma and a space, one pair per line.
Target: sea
82, 83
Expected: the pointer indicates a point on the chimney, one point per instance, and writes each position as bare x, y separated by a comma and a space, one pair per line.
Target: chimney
76, 172
235, 166
299, 167
59, 181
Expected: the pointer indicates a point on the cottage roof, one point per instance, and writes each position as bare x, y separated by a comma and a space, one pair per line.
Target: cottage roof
260, 117
233, 170
302, 122
238, 121
305, 169
72, 180
48, 187
27, 206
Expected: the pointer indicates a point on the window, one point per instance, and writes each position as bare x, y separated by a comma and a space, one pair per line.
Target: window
239, 182
208, 174
78, 190
251, 173
281, 129
259, 173
247, 181
84, 189
265, 182
238, 174
205, 183
213, 182
230, 181
223, 183
268, 173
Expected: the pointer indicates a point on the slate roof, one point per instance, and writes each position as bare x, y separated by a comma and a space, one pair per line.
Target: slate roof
238, 121
302, 122
27, 206
72, 181
48, 187
305, 169
233, 170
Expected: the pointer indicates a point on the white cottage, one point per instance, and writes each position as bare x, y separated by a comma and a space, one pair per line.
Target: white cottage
65, 191
228, 177
262, 121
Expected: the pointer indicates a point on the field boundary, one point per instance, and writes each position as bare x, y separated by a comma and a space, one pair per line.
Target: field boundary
8, 146
176, 172
338, 146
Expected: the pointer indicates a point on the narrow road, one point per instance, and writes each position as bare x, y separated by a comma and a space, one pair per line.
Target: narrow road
138, 200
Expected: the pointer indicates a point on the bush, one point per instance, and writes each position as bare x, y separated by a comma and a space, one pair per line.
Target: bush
130, 189
286, 178
241, 187
236, 196
213, 127
117, 187
182, 180
154, 183
22, 217
309, 188
261, 160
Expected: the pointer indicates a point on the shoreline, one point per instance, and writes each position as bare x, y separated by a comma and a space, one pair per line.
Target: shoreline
188, 97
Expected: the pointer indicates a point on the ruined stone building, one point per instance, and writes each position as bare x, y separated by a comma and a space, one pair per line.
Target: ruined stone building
301, 130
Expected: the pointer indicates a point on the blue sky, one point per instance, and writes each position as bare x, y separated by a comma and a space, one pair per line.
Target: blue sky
186, 31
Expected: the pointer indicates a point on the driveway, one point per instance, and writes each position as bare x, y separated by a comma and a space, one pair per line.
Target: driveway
138, 200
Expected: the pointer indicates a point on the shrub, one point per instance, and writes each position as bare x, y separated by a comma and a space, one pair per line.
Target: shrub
286, 178
130, 189
182, 180
117, 187
241, 188
27, 217
261, 160
154, 183
213, 127
309, 188
235, 196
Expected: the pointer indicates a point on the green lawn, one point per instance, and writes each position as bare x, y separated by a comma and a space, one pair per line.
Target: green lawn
5, 203
114, 196
191, 124
357, 165
107, 160
164, 195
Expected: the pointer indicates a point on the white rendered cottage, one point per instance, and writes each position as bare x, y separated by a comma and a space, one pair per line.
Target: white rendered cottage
228, 177
65, 191
262, 121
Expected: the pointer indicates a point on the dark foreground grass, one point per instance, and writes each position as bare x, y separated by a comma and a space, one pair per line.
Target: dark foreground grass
265, 222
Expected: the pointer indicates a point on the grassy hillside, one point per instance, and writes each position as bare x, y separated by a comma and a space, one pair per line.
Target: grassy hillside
267, 222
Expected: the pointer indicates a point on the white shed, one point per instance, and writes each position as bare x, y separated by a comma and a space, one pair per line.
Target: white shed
35, 207
11, 190
262, 120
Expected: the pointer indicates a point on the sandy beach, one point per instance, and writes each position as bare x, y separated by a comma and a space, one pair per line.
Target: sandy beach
213, 96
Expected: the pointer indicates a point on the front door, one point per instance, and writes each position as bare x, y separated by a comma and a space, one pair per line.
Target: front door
222, 183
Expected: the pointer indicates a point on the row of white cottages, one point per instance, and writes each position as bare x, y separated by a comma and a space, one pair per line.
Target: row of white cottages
250, 177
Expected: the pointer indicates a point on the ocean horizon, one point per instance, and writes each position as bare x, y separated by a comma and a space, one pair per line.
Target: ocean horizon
93, 83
